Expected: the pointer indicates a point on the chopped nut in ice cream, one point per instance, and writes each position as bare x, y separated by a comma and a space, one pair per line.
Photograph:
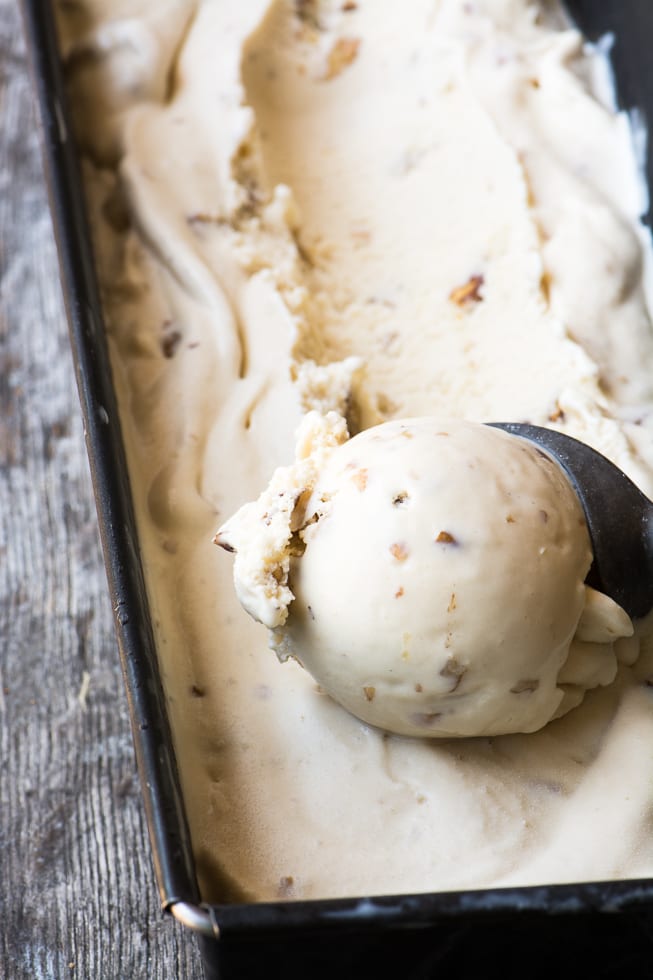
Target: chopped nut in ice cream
469, 292
341, 55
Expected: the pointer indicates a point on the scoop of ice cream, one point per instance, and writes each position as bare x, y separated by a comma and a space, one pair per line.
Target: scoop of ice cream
436, 572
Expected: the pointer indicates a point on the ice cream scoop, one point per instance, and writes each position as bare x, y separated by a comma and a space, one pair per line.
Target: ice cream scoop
436, 573
619, 517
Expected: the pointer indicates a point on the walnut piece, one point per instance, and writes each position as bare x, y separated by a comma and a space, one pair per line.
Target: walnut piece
341, 55
469, 292
399, 551
444, 537
454, 670
170, 342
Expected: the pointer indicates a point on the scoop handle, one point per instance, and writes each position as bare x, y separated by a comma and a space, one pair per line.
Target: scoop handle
619, 517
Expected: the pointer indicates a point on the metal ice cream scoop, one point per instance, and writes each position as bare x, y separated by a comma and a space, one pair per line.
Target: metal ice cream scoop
619, 517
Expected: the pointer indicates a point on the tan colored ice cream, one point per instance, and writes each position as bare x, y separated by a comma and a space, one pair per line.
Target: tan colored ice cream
430, 576
382, 210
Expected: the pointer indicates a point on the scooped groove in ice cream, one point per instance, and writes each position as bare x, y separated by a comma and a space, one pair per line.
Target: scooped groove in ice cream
429, 574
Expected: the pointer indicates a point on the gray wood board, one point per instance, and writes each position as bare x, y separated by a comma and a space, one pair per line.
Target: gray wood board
78, 896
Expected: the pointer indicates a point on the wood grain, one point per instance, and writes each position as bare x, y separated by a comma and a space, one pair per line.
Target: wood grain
78, 896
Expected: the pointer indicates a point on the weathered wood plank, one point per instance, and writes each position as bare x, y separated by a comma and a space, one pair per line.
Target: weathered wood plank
78, 897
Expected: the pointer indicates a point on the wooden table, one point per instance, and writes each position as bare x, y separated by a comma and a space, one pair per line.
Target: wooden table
78, 896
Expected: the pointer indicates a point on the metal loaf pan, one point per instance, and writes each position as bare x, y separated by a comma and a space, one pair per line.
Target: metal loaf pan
603, 929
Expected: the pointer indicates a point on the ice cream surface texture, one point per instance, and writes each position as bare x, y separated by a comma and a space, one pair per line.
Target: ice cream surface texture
436, 571
363, 212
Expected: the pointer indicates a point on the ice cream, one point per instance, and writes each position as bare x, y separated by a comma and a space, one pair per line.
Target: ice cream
383, 211
430, 578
